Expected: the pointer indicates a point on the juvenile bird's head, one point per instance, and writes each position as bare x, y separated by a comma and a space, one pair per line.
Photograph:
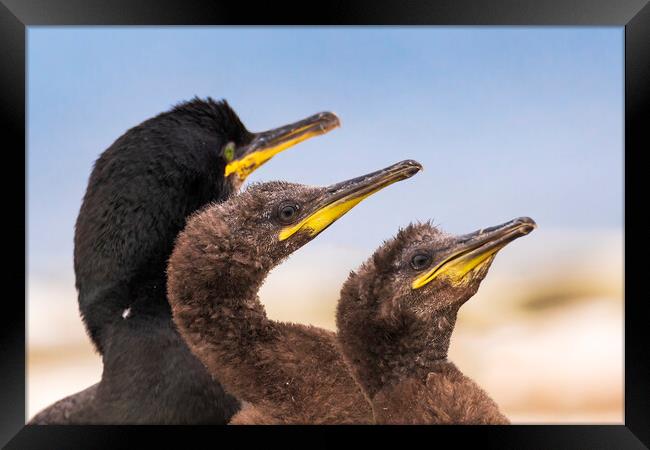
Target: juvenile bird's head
423, 270
247, 235
400, 306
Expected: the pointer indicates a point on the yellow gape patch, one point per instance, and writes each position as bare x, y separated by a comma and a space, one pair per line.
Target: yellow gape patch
249, 163
455, 268
326, 215
252, 161
321, 219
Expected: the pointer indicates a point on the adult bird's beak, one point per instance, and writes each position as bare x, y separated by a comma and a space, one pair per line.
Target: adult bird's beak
472, 250
342, 197
245, 160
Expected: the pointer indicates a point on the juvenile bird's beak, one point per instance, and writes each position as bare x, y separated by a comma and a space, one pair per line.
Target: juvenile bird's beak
342, 197
475, 249
245, 160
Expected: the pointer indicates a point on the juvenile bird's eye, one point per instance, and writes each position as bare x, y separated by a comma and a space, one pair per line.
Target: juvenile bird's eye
287, 212
420, 261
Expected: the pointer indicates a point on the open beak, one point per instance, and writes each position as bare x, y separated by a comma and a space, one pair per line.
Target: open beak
472, 251
342, 197
267, 144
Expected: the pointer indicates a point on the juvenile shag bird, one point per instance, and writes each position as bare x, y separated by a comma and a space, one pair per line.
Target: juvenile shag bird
139, 194
289, 373
396, 315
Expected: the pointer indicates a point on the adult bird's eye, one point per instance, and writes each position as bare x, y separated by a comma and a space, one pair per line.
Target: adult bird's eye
420, 261
229, 151
287, 212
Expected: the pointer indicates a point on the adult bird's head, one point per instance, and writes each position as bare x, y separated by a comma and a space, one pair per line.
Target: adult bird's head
245, 237
250, 154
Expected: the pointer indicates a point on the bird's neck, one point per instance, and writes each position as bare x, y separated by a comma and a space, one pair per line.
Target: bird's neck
105, 303
411, 351
147, 351
212, 287
221, 306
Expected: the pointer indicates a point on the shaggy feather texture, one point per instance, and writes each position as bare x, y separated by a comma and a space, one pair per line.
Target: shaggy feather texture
395, 339
290, 373
446, 396
139, 194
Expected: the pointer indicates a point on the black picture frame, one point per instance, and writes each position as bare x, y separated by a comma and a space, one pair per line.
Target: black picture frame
634, 15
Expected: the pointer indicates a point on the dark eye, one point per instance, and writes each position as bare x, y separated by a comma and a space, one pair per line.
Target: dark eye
287, 212
420, 261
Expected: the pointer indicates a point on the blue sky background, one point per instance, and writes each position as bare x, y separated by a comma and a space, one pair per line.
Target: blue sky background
507, 121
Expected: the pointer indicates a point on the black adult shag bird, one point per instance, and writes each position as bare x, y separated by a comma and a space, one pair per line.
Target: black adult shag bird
139, 193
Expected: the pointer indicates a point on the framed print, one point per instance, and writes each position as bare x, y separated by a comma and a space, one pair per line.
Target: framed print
306, 217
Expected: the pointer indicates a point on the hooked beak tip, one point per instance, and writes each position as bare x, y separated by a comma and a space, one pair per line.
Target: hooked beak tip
526, 224
328, 121
415, 166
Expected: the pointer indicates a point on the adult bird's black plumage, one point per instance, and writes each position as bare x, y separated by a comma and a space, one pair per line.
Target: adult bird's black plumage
139, 193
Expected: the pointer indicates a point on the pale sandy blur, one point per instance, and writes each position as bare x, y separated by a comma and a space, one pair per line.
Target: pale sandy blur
544, 335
